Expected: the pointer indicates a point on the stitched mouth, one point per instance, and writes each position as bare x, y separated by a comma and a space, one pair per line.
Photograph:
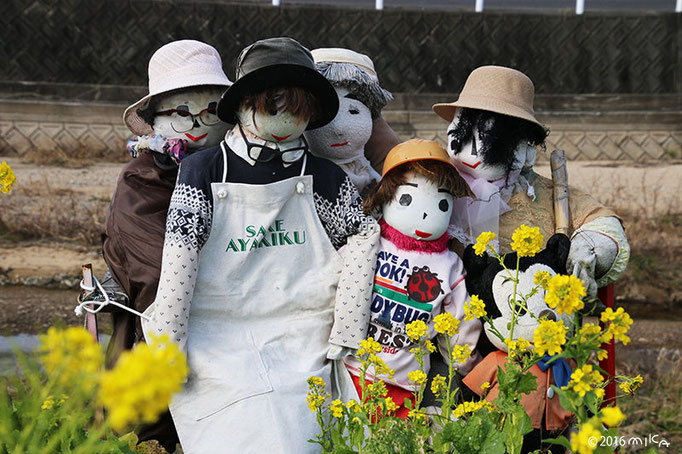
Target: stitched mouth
421, 234
196, 139
339, 144
472, 166
279, 139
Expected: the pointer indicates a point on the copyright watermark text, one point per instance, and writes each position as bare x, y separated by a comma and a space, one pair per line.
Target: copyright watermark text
620, 441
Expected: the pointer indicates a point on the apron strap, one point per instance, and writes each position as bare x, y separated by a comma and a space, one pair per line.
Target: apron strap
222, 147
305, 161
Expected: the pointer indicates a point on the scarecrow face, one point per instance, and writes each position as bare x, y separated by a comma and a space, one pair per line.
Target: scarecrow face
420, 208
503, 291
191, 116
277, 126
347, 134
469, 157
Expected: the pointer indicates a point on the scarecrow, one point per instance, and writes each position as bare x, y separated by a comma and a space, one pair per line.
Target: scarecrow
492, 140
175, 118
416, 277
361, 99
250, 263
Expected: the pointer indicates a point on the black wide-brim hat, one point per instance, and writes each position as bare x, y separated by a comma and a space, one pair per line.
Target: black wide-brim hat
278, 62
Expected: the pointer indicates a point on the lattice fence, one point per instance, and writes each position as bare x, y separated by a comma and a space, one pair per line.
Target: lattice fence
110, 42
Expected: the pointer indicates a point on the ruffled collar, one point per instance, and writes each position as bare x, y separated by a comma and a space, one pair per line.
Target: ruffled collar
407, 243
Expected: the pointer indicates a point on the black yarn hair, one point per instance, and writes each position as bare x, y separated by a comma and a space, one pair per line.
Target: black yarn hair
148, 111
499, 135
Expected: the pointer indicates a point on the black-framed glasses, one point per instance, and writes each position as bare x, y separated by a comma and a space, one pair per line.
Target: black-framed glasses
267, 153
183, 120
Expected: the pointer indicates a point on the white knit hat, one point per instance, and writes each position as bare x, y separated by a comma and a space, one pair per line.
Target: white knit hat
179, 64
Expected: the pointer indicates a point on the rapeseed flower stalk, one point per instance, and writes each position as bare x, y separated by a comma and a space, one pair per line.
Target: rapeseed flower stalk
71, 356
446, 323
7, 178
549, 337
474, 308
336, 407
482, 242
142, 383
368, 346
471, 407
317, 396
582, 442
565, 293
583, 379
527, 241
618, 324
418, 377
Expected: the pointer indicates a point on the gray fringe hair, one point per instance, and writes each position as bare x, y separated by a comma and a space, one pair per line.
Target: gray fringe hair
359, 82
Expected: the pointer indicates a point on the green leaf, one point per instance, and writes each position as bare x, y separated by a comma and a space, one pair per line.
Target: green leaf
558, 441
527, 382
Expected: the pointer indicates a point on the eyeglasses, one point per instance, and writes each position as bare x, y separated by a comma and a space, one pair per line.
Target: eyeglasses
183, 120
267, 153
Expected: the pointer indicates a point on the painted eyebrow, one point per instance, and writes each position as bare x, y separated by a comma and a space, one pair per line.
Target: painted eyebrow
352, 96
444, 190
412, 184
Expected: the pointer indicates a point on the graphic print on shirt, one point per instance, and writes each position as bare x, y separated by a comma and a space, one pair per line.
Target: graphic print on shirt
260, 236
423, 286
392, 306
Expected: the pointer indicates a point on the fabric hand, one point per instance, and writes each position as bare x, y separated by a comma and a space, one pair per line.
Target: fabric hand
175, 148
599, 253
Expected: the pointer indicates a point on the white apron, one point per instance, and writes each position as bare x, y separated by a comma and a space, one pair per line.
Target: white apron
259, 322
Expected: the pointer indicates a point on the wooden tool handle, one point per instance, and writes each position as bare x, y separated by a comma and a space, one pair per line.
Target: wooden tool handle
562, 214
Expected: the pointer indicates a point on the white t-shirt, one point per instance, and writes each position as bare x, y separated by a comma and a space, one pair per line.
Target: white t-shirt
411, 285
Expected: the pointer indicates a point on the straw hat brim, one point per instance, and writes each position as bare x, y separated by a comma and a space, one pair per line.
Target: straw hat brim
447, 110
281, 75
139, 127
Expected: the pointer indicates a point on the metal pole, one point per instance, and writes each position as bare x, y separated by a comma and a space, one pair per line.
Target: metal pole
379, 4
579, 6
678, 6
479, 6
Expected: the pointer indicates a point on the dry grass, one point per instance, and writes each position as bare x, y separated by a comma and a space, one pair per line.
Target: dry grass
655, 409
652, 216
43, 212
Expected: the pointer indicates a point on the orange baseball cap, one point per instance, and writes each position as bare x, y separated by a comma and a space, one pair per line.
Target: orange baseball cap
415, 150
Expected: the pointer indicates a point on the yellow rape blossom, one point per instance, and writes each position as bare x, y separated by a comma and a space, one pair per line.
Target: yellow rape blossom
474, 308
353, 406
416, 415
631, 385
446, 323
7, 178
549, 337
527, 241
587, 332
438, 385
619, 324
542, 278
612, 416
336, 407
583, 442
71, 354
390, 405
368, 345
522, 344
417, 376
582, 380
377, 388
511, 347
315, 381
48, 404
140, 386
461, 353
565, 293
482, 242
416, 330
470, 407
485, 385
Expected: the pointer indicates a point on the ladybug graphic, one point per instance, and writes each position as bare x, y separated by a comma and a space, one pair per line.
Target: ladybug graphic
423, 286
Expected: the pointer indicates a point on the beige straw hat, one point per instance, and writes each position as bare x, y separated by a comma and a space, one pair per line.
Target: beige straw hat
340, 55
179, 64
495, 89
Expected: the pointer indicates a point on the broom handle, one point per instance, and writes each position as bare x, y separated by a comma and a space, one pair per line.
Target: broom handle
562, 215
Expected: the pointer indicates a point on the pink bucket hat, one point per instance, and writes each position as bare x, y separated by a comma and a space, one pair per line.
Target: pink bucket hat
179, 64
